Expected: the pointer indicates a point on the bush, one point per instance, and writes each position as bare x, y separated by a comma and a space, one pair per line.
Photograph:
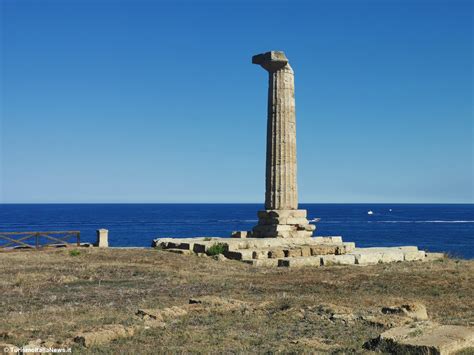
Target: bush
217, 248
74, 252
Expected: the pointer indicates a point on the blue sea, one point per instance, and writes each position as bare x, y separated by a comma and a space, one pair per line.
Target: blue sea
432, 227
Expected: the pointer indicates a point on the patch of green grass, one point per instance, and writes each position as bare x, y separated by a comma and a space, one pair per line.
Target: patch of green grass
207, 239
217, 248
74, 252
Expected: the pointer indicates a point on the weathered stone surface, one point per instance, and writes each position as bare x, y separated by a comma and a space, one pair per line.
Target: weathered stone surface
292, 253
414, 255
202, 247
298, 246
300, 261
348, 247
276, 253
104, 335
268, 214
392, 257
426, 338
281, 186
434, 256
262, 262
260, 254
323, 249
414, 310
305, 251
102, 238
328, 239
283, 220
281, 195
239, 254
280, 178
367, 258
337, 260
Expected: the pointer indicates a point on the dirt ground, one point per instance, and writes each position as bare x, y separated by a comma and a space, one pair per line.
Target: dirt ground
54, 295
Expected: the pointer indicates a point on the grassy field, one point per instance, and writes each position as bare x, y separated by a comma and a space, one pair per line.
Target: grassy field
55, 295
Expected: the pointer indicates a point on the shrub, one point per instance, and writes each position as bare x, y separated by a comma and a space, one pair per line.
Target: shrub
74, 252
217, 248
207, 239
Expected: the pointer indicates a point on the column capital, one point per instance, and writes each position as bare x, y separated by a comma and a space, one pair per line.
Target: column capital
270, 61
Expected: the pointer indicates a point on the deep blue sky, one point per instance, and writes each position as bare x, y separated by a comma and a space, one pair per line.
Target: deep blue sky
156, 101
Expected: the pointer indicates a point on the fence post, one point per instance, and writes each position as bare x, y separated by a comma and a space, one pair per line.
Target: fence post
78, 239
36, 240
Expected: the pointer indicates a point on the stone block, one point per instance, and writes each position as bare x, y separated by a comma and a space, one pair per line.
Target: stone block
414, 255
306, 227
331, 239
426, 338
323, 249
239, 254
200, 247
395, 256
276, 253
303, 234
282, 220
305, 251
367, 258
348, 246
260, 254
434, 256
337, 260
185, 246
262, 262
102, 238
300, 262
292, 253
386, 249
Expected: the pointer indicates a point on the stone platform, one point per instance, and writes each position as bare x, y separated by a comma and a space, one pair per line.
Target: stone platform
295, 252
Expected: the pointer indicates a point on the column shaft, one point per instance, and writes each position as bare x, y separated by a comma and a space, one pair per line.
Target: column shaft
281, 185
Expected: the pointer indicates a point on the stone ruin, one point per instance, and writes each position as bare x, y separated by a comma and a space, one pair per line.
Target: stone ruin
283, 235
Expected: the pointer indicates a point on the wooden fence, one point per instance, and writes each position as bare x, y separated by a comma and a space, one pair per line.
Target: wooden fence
35, 240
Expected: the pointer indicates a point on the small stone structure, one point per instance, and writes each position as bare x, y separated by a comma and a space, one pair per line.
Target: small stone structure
102, 238
283, 235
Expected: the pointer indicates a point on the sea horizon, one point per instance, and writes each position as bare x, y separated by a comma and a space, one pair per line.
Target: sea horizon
437, 227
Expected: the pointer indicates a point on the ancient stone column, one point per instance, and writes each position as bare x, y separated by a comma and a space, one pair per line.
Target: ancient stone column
281, 217
280, 178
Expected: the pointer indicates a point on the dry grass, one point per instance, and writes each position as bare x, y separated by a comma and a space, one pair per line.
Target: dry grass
54, 295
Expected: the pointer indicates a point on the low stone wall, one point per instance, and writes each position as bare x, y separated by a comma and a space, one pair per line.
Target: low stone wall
294, 252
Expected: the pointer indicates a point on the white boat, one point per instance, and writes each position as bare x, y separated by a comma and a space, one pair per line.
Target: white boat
370, 212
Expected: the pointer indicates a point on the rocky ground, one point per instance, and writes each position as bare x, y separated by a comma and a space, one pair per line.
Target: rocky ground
149, 301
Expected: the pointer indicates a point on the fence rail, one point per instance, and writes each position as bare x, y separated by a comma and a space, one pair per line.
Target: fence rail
35, 240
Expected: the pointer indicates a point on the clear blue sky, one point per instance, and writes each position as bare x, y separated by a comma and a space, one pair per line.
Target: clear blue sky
157, 101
